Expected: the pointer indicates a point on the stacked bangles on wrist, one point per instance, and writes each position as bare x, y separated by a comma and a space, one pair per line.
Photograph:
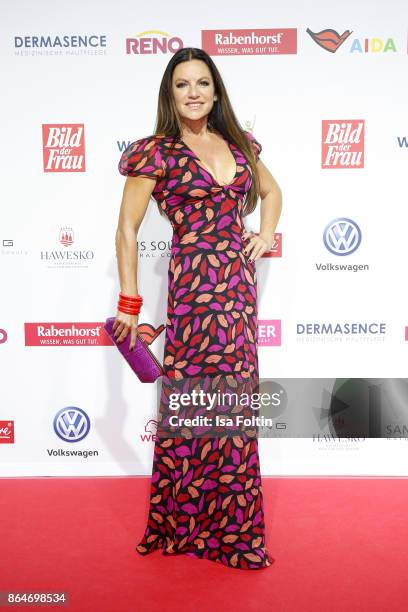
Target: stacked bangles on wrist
129, 304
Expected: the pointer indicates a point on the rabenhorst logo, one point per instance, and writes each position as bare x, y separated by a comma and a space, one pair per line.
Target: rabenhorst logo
152, 42
269, 332
150, 432
6, 432
46, 44
341, 331
67, 257
64, 147
330, 40
252, 41
342, 143
65, 334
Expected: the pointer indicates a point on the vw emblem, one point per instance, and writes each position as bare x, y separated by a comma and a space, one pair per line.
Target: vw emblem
342, 236
72, 424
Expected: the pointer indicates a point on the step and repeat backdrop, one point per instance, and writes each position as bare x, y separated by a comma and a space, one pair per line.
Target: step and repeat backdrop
324, 90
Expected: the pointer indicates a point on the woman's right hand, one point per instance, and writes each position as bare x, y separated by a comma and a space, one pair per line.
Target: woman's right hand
123, 324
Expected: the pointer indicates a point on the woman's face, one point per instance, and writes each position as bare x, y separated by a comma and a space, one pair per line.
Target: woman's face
193, 90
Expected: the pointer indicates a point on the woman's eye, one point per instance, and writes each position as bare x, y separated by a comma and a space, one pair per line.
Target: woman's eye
182, 84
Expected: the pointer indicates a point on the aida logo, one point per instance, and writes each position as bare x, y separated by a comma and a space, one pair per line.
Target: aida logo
3, 336
64, 147
342, 143
269, 332
6, 432
330, 40
152, 42
372, 45
150, 434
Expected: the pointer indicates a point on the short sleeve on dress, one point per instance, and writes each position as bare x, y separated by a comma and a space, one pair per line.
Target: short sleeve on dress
257, 147
142, 158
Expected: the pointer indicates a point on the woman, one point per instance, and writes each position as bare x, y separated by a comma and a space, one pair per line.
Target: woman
204, 172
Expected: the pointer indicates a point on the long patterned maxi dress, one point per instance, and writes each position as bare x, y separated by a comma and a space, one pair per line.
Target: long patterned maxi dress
206, 495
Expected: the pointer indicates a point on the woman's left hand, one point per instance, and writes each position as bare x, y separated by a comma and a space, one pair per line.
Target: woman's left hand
256, 246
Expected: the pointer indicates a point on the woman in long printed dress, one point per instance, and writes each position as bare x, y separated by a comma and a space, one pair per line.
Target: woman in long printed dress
206, 492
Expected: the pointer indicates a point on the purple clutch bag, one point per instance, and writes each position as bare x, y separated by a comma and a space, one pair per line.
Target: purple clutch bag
141, 359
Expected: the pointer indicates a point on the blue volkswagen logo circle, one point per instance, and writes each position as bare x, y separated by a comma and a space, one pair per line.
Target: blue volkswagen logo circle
342, 236
72, 424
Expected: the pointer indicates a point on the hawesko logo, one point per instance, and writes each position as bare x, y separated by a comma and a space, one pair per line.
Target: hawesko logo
72, 424
266, 41
3, 336
67, 258
342, 236
152, 42
66, 334
64, 147
6, 432
66, 236
150, 434
343, 143
269, 332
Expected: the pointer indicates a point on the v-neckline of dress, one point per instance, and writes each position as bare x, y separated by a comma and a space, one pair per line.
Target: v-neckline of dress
206, 167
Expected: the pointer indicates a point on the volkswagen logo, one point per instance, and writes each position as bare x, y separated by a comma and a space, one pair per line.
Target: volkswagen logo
72, 424
342, 236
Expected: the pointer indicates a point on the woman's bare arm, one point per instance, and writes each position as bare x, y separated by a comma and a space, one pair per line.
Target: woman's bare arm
136, 196
271, 207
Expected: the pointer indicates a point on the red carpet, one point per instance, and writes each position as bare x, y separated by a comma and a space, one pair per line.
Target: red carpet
338, 544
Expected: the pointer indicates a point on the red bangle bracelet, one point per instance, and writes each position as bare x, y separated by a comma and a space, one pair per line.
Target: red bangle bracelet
132, 298
128, 310
126, 301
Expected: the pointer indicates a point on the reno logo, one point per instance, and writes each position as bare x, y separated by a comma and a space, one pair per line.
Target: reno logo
150, 432
63, 147
152, 42
343, 143
6, 432
269, 332
72, 424
342, 236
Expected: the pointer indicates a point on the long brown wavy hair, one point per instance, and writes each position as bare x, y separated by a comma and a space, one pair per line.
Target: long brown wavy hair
221, 117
